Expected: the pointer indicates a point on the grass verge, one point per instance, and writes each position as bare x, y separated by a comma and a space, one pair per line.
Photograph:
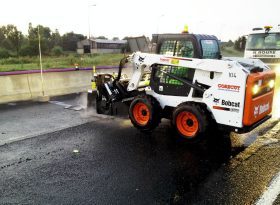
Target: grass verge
32, 63
66, 61
231, 52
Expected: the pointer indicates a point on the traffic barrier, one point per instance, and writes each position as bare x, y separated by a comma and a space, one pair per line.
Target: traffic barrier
27, 85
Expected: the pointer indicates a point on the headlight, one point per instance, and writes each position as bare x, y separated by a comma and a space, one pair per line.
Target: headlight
271, 83
256, 89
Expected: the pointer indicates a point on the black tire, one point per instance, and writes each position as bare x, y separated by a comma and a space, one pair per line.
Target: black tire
190, 121
90, 100
102, 106
149, 110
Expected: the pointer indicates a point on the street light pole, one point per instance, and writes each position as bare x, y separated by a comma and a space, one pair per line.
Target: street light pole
89, 19
40, 59
158, 21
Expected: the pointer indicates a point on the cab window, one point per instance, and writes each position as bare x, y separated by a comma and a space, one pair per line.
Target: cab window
184, 49
180, 48
166, 85
210, 49
262, 41
168, 47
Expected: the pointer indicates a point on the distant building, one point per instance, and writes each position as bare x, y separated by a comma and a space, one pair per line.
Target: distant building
100, 46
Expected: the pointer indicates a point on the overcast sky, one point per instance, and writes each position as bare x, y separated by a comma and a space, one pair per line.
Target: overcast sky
227, 19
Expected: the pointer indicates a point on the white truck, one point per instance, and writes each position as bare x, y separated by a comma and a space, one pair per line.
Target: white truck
264, 44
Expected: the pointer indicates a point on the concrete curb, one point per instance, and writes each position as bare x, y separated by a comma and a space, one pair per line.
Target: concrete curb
28, 85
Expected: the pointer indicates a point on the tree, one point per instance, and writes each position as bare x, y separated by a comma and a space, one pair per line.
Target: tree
4, 53
7, 44
45, 39
243, 42
116, 39
230, 43
27, 50
13, 41
32, 33
102, 37
69, 41
240, 43
225, 45
2, 35
57, 51
56, 39
11, 38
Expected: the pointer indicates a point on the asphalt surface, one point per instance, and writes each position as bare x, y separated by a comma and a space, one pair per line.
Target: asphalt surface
105, 160
28, 119
53, 155
116, 164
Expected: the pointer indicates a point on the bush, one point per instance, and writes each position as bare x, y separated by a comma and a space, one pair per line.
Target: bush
4, 53
57, 51
14, 60
240, 43
26, 51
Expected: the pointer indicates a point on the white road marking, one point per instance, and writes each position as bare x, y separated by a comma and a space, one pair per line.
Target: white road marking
68, 106
270, 195
60, 103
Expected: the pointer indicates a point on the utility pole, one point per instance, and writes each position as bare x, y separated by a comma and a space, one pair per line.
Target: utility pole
89, 19
158, 22
40, 58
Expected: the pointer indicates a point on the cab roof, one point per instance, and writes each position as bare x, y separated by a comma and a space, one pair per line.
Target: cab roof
158, 37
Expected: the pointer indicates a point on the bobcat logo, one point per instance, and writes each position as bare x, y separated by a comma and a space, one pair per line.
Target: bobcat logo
256, 111
141, 59
216, 100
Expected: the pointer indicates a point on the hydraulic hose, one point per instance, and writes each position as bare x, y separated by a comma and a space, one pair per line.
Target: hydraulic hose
121, 65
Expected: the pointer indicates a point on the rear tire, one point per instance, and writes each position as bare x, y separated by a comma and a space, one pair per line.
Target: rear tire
144, 113
190, 121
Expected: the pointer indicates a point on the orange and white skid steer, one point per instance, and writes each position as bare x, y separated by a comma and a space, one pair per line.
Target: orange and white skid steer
233, 93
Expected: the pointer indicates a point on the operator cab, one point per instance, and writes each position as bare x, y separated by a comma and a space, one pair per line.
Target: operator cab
181, 45
187, 45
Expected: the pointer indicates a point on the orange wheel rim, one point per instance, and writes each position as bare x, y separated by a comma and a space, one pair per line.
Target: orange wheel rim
141, 113
187, 123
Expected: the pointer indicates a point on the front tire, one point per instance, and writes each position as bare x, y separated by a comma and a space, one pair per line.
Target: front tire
102, 105
90, 100
144, 113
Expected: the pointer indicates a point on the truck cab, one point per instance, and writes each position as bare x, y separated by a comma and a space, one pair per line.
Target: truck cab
264, 44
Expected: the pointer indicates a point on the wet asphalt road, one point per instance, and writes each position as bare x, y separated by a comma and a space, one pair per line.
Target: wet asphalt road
116, 164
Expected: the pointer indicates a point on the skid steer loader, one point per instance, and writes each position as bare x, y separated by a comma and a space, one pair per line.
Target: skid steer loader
233, 93
179, 44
